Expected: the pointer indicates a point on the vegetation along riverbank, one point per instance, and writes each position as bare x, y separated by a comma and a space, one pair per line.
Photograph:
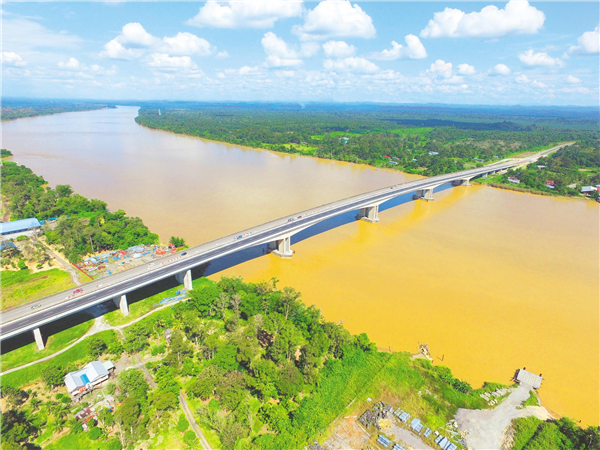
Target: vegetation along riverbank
257, 368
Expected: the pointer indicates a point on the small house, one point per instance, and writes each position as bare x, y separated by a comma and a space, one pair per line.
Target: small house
514, 180
524, 377
82, 381
433, 153
588, 189
550, 184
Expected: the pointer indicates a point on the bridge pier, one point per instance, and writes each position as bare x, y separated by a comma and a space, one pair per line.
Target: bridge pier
463, 182
185, 278
282, 247
121, 303
369, 213
424, 194
37, 334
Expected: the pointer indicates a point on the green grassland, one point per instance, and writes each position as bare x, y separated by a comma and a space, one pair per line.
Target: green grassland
56, 342
22, 286
75, 356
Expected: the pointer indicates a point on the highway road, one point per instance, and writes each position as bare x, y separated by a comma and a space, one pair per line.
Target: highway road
31, 315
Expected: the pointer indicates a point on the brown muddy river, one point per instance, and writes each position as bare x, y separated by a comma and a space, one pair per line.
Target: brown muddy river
491, 280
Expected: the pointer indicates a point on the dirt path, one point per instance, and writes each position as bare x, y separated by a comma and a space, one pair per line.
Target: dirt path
193, 424
63, 262
99, 325
486, 428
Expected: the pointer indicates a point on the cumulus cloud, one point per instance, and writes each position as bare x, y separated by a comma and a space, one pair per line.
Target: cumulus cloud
589, 43
21, 35
71, 64
223, 55
466, 69
338, 49
11, 59
335, 19
441, 69
351, 64
185, 44
414, 49
517, 17
245, 14
522, 79
573, 80
500, 69
536, 59
164, 61
134, 40
280, 54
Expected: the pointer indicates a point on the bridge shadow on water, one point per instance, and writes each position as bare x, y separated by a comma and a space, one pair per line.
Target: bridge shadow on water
211, 268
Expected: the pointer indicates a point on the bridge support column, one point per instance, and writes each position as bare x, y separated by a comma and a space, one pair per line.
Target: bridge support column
463, 182
185, 278
424, 194
121, 303
37, 334
282, 247
485, 176
370, 214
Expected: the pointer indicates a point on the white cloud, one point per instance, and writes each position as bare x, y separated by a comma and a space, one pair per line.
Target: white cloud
280, 54
11, 59
134, 34
338, 49
185, 44
71, 64
335, 18
573, 80
134, 40
589, 42
440, 68
500, 69
414, 50
538, 84
533, 59
21, 34
245, 14
223, 55
517, 17
466, 69
522, 79
162, 60
351, 64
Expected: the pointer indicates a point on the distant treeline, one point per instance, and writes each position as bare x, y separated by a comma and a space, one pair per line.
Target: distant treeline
17, 108
383, 137
83, 225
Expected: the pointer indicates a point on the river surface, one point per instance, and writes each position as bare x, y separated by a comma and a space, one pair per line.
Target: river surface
491, 280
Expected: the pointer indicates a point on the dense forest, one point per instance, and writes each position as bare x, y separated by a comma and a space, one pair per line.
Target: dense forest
17, 108
262, 370
383, 137
83, 226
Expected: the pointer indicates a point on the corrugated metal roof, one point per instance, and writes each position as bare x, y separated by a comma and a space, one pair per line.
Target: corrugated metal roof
19, 225
529, 378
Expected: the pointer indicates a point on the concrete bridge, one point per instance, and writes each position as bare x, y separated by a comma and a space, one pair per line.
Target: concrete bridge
277, 234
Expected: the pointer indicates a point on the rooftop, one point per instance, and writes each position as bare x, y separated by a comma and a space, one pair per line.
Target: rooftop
19, 225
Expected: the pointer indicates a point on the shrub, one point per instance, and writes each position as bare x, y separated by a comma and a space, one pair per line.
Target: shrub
182, 424
189, 438
21, 265
94, 433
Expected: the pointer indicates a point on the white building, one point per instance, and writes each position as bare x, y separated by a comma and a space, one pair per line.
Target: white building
84, 380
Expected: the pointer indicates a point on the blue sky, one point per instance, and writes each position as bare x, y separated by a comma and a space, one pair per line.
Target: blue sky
280, 50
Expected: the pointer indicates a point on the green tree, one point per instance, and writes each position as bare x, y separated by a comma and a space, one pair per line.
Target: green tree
182, 423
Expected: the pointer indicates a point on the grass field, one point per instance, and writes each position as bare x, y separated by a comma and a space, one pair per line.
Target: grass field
22, 286
56, 342
76, 355
417, 131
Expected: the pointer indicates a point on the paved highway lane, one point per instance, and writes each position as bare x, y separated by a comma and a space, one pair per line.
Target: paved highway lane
23, 318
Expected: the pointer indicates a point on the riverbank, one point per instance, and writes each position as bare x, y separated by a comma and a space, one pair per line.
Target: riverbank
463, 274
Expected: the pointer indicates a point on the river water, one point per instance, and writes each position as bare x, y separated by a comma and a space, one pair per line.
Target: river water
491, 280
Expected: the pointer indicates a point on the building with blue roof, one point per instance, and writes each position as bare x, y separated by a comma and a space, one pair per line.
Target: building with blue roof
16, 228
